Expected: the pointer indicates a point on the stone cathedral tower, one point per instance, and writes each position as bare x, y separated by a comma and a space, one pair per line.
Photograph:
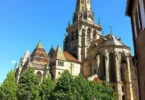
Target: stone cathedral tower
86, 52
82, 31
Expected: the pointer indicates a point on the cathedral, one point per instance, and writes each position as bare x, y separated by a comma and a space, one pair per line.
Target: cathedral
87, 52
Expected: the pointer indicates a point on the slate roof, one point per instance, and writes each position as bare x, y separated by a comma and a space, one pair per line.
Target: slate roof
109, 40
112, 40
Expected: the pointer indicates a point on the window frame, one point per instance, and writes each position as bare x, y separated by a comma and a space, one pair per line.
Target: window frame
60, 63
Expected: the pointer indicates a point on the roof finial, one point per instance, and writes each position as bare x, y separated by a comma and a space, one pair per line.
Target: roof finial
102, 32
39, 45
99, 21
52, 46
110, 29
69, 23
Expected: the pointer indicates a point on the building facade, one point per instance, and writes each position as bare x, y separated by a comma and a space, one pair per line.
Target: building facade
135, 9
111, 60
86, 52
82, 31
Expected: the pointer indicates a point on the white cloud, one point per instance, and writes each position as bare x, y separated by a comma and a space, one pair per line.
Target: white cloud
13, 62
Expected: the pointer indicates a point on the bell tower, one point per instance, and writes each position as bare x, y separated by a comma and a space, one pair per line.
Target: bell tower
82, 31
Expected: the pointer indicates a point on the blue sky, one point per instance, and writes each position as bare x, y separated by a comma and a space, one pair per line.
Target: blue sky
23, 23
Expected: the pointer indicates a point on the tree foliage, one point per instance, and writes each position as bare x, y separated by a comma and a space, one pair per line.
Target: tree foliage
62, 90
46, 88
8, 88
67, 87
78, 88
28, 87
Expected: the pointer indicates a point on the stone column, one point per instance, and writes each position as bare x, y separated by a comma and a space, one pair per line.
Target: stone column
107, 65
84, 44
98, 34
98, 63
129, 85
118, 84
79, 43
91, 34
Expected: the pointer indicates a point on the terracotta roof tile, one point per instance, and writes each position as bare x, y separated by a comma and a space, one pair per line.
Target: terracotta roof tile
39, 55
69, 57
97, 80
41, 50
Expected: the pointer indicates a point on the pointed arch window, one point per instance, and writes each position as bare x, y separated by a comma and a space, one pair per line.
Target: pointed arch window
88, 33
112, 71
94, 34
123, 69
39, 75
83, 32
123, 97
122, 89
104, 68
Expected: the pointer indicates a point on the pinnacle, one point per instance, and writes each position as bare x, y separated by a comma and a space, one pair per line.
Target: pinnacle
39, 45
59, 53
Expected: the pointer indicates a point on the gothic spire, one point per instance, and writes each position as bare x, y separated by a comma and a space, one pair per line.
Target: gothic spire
83, 11
83, 5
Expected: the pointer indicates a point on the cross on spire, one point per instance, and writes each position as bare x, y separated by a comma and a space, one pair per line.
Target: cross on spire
110, 29
99, 21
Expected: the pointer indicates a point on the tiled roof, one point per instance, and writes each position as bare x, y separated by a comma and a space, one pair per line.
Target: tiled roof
69, 57
58, 55
109, 40
94, 78
39, 55
97, 80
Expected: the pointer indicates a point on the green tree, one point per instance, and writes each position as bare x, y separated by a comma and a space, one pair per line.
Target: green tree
102, 91
8, 88
62, 90
46, 88
28, 87
83, 89
78, 88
